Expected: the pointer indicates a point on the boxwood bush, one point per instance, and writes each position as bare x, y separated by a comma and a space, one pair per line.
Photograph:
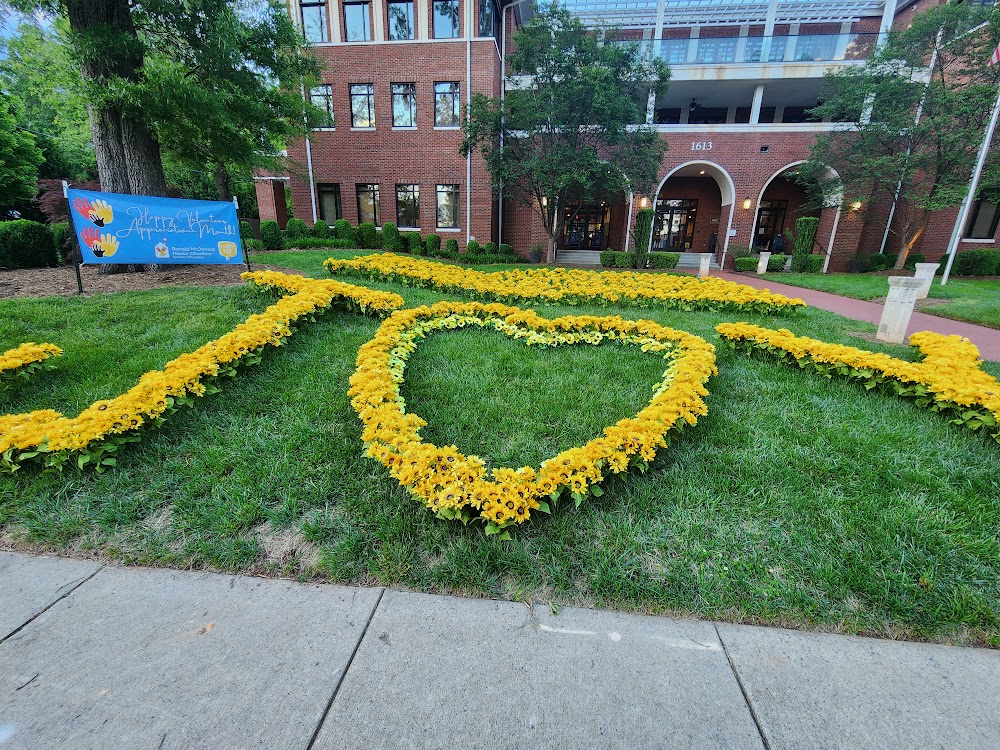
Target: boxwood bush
246, 231
912, 259
321, 230
663, 260
746, 263
62, 238
506, 249
390, 238
26, 244
881, 261
813, 264
250, 245
472, 249
776, 262
319, 242
976, 263
367, 236
451, 247
432, 244
343, 230
413, 242
296, 229
270, 235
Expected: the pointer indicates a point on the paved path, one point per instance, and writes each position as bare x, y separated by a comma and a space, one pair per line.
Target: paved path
987, 339
100, 658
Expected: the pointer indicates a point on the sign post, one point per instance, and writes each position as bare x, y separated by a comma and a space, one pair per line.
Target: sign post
140, 229
75, 246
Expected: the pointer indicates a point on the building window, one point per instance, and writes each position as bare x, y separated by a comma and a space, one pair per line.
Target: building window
404, 105
983, 225
408, 206
314, 21
328, 195
322, 97
367, 204
401, 20
487, 18
673, 226
363, 105
447, 207
770, 223
446, 19
447, 100
357, 22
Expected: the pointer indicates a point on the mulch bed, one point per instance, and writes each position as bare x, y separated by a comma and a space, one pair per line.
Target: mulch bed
61, 281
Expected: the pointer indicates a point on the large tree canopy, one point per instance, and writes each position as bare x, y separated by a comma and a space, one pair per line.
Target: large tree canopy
886, 153
20, 158
570, 126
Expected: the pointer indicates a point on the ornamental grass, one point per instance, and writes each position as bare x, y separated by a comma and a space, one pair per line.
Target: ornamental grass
948, 378
461, 487
567, 286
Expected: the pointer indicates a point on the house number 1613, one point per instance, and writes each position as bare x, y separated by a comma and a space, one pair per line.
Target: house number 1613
701, 145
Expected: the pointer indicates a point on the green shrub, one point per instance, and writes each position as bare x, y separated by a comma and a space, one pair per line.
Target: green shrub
432, 244
484, 259
451, 248
912, 259
490, 248
664, 260
270, 235
608, 259
26, 244
246, 231
976, 263
472, 249
739, 251
367, 236
880, 261
508, 250
643, 231
746, 263
804, 235
251, 245
296, 229
343, 230
413, 242
321, 230
391, 239
318, 242
629, 259
776, 262
62, 238
814, 264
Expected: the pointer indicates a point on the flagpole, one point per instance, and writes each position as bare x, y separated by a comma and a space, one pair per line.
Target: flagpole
963, 212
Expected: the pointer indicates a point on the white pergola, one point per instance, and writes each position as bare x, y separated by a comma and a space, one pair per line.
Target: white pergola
659, 13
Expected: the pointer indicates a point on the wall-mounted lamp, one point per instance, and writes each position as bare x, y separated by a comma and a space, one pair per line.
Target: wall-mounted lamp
644, 203
746, 204
702, 172
545, 201
856, 206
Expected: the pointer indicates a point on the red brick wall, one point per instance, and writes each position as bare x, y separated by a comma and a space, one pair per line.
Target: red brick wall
271, 201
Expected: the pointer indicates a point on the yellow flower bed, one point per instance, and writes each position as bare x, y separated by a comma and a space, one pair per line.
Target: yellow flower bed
948, 378
24, 359
457, 486
48, 436
566, 286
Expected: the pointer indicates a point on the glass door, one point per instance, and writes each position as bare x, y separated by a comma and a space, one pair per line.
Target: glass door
673, 228
770, 222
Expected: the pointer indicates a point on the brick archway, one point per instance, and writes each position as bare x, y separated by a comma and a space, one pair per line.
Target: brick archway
727, 194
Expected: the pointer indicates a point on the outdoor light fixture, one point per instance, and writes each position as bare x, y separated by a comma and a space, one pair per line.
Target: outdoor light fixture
644, 203
856, 206
702, 172
746, 204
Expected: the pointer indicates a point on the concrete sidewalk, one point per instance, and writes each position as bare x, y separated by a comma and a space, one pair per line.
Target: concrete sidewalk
103, 658
987, 339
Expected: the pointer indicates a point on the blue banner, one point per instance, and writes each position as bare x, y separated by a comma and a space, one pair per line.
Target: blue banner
115, 228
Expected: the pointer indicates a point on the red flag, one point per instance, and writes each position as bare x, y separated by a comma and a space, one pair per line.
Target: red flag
996, 56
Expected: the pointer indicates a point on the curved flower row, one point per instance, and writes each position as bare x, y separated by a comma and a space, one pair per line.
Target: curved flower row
568, 286
948, 378
25, 358
48, 436
460, 487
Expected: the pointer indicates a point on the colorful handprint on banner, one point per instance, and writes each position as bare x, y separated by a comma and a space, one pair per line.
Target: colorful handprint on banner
101, 245
99, 212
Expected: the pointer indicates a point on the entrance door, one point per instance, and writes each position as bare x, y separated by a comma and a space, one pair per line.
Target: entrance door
770, 222
673, 228
586, 227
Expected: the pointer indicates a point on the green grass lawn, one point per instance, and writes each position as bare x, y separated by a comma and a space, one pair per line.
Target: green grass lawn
975, 301
796, 501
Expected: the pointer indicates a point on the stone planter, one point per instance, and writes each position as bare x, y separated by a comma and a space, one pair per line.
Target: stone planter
925, 272
899, 304
762, 263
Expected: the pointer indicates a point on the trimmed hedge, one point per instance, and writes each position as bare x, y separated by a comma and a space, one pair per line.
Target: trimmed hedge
506, 249
451, 247
813, 264
321, 230
880, 262
342, 230
251, 245
432, 244
296, 228
975, 263
776, 262
318, 242
912, 259
62, 237
367, 236
391, 239
26, 244
747, 263
246, 231
413, 242
270, 235
663, 260
472, 249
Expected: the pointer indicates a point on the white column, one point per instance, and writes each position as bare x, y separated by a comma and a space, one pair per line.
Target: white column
925, 272
833, 238
378, 27
792, 43
842, 41
421, 30
758, 98
765, 44
654, 51
899, 304
335, 20
741, 43
692, 52
888, 15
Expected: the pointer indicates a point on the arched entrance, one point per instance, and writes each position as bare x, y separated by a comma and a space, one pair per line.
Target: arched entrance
780, 204
694, 210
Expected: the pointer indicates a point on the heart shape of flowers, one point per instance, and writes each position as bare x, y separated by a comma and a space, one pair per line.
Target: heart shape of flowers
460, 487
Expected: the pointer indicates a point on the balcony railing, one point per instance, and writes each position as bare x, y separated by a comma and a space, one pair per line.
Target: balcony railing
773, 49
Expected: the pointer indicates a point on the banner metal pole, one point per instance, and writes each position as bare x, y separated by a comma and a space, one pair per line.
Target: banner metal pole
74, 245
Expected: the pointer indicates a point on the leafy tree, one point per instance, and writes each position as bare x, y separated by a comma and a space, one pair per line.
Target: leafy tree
573, 134
936, 66
20, 157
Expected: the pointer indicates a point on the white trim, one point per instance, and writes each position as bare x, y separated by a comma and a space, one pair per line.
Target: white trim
266, 179
362, 130
447, 127
797, 127
403, 127
448, 229
979, 242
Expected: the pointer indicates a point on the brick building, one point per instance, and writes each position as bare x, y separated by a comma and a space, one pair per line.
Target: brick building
744, 74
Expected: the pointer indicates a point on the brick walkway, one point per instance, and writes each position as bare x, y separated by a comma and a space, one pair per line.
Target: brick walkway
987, 339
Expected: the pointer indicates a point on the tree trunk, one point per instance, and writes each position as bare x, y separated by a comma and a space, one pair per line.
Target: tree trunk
145, 166
222, 183
105, 126
904, 251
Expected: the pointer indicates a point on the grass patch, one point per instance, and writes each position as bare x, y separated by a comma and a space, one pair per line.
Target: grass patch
974, 301
796, 501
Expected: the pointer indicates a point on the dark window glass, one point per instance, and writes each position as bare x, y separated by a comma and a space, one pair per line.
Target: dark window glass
408, 206
401, 20
447, 207
447, 104
404, 105
329, 202
314, 22
322, 97
487, 17
357, 22
362, 105
983, 224
368, 204
446, 24
673, 225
